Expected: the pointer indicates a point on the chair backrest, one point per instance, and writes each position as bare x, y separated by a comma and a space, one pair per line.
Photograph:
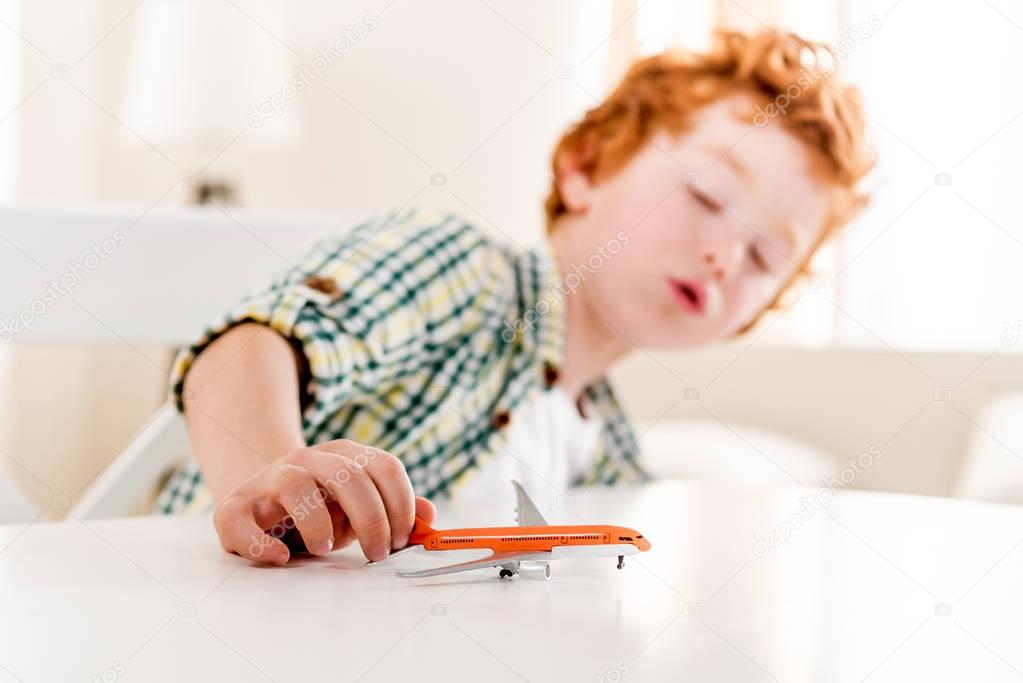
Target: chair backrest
137, 276
131, 274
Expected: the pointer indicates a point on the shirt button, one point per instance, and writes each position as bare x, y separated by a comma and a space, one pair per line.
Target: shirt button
501, 418
323, 284
550, 374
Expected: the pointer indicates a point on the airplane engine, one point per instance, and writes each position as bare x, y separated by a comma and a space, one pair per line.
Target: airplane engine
535, 570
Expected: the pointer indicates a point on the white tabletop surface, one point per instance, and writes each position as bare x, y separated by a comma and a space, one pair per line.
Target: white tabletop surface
876, 586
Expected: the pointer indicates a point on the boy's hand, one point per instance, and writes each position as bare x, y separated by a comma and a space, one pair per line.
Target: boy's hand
331, 493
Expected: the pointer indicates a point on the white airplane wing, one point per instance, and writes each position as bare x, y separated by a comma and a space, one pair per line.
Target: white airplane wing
525, 512
494, 560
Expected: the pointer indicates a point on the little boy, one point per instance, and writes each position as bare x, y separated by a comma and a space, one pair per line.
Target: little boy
415, 355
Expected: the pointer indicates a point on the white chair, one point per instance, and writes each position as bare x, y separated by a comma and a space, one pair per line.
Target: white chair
132, 276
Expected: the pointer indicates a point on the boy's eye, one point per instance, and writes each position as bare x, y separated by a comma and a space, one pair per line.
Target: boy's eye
758, 259
706, 201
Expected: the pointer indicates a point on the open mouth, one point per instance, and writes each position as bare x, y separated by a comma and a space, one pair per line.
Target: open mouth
690, 294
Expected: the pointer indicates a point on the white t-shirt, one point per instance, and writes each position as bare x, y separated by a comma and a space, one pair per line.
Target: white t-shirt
549, 444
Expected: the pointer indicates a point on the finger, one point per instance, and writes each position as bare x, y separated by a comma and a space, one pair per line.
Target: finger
236, 526
388, 473
353, 488
343, 532
299, 494
425, 510
391, 481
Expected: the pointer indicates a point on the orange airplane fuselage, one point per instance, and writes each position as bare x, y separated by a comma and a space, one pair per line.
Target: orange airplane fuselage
529, 538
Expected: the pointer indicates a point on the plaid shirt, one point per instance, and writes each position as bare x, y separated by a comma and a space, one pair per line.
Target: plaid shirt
422, 337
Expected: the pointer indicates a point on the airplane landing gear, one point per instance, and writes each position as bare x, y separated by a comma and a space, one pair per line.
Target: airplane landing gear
506, 574
621, 561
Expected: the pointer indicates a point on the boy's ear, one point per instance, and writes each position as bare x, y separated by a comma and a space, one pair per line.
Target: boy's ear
574, 179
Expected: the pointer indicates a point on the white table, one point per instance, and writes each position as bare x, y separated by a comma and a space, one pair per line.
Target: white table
877, 586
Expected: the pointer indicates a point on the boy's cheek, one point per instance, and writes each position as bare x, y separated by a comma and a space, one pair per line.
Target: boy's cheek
751, 300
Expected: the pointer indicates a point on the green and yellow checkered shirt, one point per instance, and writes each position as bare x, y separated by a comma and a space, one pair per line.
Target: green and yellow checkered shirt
422, 336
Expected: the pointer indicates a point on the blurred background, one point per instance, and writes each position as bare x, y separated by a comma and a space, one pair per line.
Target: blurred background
905, 341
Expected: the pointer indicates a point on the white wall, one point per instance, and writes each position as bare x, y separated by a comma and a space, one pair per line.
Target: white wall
450, 88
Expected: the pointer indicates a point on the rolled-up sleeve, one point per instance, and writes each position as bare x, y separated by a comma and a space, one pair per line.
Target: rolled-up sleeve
336, 357
362, 307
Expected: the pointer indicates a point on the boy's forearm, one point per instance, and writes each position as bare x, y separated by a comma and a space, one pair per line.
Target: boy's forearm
243, 405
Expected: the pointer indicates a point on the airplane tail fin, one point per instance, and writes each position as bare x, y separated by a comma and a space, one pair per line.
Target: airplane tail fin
526, 513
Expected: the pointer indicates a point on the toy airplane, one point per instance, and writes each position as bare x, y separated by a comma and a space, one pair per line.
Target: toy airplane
527, 548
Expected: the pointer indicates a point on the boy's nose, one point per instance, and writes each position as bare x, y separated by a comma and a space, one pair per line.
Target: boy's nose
722, 257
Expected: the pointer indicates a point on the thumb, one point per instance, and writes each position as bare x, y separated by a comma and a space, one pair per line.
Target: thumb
425, 510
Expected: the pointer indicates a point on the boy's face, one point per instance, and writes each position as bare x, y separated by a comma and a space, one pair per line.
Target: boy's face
716, 223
